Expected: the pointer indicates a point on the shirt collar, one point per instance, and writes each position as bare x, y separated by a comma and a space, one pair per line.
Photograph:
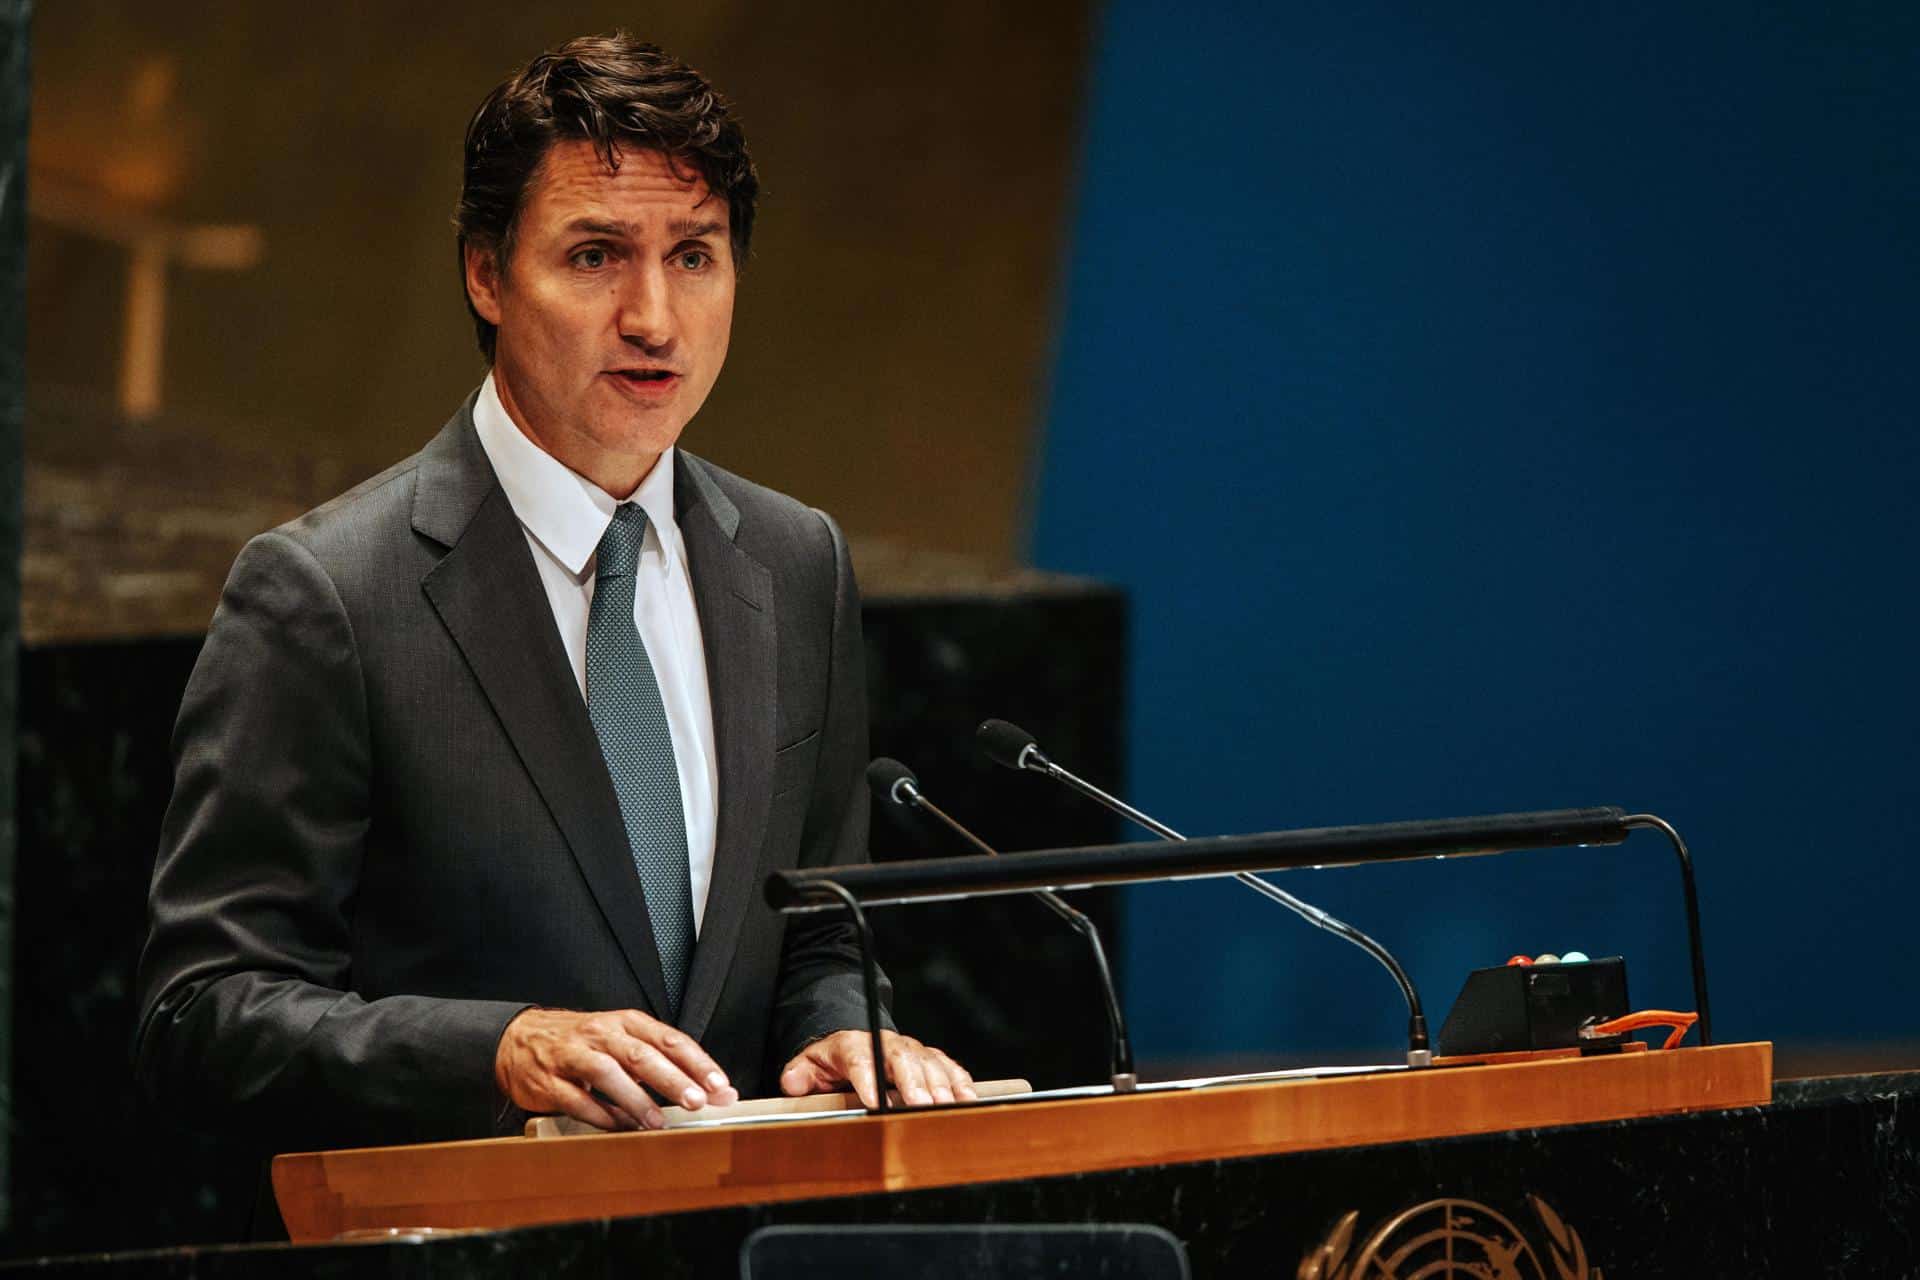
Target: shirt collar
561, 508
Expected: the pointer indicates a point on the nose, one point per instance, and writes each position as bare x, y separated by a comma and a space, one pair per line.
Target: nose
645, 314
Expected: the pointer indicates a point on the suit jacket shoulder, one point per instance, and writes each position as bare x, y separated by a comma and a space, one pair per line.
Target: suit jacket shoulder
435, 491
765, 523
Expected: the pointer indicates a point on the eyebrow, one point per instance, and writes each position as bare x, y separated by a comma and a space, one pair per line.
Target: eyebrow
598, 227
681, 228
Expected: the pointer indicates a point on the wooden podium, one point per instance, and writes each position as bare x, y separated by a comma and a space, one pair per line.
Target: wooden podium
508, 1182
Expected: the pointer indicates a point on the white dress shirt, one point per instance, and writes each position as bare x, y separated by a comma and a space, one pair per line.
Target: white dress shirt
564, 515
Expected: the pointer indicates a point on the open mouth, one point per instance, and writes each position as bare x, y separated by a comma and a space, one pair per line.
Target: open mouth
643, 376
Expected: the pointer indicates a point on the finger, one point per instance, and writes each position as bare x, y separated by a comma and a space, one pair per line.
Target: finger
903, 1068
610, 1078
649, 1119
796, 1080
938, 1082
803, 1076
856, 1068
962, 1078
578, 1103
653, 1068
688, 1057
626, 1122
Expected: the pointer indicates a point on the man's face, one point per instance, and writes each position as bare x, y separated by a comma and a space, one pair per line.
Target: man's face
613, 311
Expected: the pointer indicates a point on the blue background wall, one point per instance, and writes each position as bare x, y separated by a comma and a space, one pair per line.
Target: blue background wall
1507, 412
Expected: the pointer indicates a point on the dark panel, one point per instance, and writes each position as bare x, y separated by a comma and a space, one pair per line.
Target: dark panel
14, 81
1000, 983
97, 1171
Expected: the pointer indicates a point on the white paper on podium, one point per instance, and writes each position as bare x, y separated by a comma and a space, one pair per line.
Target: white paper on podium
994, 1093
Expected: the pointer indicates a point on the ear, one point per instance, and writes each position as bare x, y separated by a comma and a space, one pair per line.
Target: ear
483, 281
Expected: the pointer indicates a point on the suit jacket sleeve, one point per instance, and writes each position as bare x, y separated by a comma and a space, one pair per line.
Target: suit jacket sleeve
820, 988
246, 1006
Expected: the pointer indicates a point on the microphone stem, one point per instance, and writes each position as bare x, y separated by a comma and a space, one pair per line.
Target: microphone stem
1123, 1073
916, 798
1419, 1052
1102, 798
1694, 949
1124, 1078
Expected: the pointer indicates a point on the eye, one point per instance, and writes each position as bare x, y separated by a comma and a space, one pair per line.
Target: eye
693, 259
592, 258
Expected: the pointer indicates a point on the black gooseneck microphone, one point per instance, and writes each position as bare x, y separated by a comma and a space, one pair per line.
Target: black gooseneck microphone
1013, 747
894, 783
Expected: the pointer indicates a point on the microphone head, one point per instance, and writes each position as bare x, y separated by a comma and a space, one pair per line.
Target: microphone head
1006, 744
888, 778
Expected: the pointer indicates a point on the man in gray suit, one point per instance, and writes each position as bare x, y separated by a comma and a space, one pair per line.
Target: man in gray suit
484, 762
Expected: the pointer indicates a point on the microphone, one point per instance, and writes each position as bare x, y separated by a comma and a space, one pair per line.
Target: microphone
894, 783
1014, 748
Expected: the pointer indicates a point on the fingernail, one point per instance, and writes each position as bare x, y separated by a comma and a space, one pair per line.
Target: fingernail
922, 1098
655, 1120
943, 1095
692, 1099
716, 1081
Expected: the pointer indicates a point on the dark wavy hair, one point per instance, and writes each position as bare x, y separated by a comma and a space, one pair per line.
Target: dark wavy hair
615, 92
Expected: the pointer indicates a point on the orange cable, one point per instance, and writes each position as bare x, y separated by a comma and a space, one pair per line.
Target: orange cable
1645, 1018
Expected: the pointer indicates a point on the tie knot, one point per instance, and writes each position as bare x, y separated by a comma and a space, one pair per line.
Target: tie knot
619, 550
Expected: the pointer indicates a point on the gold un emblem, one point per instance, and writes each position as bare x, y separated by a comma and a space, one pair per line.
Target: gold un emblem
1450, 1240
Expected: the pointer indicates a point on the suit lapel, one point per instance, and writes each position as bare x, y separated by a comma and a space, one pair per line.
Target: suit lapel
734, 595
490, 598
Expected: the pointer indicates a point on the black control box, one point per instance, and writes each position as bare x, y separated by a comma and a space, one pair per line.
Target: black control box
1516, 1007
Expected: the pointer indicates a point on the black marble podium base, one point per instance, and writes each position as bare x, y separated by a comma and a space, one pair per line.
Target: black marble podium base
1823, 1182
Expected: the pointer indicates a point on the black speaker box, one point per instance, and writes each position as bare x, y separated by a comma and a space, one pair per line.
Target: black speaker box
1517, 1007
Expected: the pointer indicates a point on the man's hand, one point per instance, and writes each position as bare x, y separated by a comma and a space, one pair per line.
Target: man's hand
920, 1073
557, 1060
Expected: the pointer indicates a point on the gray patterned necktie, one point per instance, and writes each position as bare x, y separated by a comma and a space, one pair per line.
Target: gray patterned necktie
623, 700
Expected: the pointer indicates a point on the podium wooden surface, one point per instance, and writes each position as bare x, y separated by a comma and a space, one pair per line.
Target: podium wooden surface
506, 1182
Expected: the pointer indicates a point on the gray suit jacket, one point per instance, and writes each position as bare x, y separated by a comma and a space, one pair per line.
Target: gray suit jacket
392, 829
